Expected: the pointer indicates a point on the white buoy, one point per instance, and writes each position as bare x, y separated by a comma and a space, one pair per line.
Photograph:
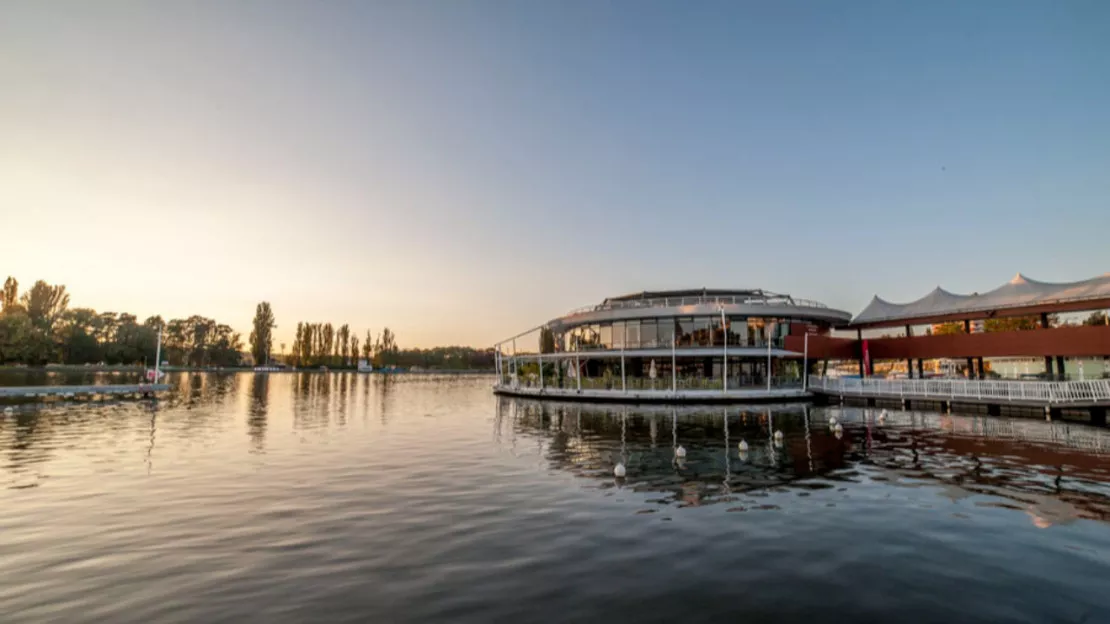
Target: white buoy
882, 415
8, 410
680, 451
832, 420
778, 435
743, 446
838, 428
618, 471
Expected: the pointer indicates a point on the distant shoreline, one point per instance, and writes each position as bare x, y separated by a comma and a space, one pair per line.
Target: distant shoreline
138, 368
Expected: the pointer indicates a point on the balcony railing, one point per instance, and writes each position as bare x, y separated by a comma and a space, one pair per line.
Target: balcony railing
712, 300
641, 384
1042, 392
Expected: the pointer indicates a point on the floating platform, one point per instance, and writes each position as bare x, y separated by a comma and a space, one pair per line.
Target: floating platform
84, 391
747, 395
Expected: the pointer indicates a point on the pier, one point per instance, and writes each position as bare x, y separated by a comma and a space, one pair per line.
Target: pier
1052, 396
82, 391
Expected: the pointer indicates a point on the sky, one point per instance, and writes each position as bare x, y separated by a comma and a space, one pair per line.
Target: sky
462, 170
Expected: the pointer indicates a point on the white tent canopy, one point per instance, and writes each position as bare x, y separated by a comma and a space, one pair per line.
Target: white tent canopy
1019, 292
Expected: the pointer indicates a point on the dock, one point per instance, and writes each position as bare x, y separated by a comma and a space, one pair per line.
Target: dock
83, 391
1051, 396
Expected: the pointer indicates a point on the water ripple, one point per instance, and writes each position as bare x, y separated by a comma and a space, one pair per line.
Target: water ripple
340, 497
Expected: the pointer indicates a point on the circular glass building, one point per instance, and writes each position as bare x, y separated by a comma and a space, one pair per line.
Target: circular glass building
678, 345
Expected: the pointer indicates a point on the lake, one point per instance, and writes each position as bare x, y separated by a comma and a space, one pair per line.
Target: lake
348, 498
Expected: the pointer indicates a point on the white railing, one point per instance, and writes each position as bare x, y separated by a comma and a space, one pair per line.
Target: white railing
1046, 392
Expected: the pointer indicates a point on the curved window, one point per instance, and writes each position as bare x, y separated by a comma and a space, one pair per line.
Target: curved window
618, 335
684, 331
649, 334
632, 334
738, 331
701, 332
756, 336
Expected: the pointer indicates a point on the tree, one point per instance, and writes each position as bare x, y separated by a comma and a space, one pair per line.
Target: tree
368, 346
943, 329
327, 338
1012, 323
386, 348
547, 341
342, 339
1096, 318
262, 338
10, 297
354, 348
297, 342
45, 304
15, 337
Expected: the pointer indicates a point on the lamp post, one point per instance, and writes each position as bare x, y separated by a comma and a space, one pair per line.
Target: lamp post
770, 332
724, 359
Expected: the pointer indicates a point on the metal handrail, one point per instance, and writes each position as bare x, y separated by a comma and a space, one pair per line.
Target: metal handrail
1049, 392
698, 300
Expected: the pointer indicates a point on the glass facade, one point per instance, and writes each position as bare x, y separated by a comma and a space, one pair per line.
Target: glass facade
689, 331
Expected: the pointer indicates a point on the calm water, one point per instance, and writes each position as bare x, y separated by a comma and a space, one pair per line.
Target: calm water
289, 498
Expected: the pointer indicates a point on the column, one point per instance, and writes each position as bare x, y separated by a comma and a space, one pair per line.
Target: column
1060, 367
1047, 358
920, 368
982, 372
859, 347
909, 368
909, 361
624, 385
724, 351
970, 368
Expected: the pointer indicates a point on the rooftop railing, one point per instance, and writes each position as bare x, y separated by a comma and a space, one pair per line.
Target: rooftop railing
698, 300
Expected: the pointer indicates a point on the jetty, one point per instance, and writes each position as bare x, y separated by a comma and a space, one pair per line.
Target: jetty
82, 391
1051, 396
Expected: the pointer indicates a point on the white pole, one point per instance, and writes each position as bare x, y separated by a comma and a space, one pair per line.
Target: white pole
724, 360
577, 368
158, 354
674, 366
624, 387
805, 361
539, 359
770, 328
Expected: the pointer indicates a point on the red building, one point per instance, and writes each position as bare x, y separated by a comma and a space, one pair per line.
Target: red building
1019, 298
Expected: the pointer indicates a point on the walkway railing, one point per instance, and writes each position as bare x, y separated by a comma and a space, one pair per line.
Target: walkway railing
1043, 392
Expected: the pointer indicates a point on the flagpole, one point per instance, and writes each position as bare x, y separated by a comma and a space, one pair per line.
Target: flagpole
724, 361
770, 328
805, 362
674, 366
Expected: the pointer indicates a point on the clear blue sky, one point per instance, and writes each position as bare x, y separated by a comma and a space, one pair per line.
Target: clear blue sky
460, 170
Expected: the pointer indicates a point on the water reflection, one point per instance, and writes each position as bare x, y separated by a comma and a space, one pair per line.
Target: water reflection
1054, 472
256, 420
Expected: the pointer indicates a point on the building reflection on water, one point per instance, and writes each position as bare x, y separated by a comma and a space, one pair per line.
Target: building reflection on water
1054, 472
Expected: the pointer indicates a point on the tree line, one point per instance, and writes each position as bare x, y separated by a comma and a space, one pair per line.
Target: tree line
1017, 323
38, 327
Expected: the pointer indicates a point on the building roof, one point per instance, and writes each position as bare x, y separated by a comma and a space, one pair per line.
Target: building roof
696, 292
1019, 295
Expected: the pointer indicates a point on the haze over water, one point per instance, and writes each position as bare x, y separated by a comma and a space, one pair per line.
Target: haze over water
299, 497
